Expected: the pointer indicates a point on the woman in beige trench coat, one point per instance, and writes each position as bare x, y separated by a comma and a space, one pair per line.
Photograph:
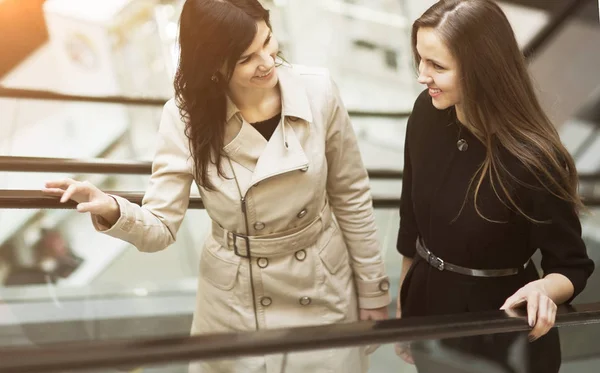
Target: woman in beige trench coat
293, 233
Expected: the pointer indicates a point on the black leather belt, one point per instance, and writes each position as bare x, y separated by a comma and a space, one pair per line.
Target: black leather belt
442, 265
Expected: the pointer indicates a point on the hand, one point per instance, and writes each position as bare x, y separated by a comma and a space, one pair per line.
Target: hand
373, 314
88, 197
541, 310
403, 348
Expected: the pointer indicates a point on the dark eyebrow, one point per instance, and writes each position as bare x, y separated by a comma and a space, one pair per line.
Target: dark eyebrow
265, 42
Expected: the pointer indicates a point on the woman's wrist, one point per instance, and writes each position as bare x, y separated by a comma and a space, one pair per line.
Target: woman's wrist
112, 214
557, 287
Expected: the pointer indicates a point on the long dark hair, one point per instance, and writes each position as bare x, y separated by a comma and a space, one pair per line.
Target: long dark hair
499, 99
212, 34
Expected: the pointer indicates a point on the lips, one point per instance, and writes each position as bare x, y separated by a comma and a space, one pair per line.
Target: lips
265, 74
434, 92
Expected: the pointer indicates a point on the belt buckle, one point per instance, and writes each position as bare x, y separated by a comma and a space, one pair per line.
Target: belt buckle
235, 248
436, 262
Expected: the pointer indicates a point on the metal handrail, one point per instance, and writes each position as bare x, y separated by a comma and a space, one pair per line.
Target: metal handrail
558, 20
106, 166
104, 354
34, 199
114, 167
36, 94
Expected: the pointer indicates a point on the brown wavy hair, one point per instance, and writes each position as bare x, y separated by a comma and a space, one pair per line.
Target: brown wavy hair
498, 99
212, 34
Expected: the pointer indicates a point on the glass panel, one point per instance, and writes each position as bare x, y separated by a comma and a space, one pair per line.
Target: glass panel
118, 292
566, 350
38, 128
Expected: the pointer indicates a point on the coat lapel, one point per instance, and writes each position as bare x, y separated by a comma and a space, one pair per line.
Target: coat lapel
277, 158
246, 147
283, 152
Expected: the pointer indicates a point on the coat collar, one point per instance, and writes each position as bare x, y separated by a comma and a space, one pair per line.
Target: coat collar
283, 152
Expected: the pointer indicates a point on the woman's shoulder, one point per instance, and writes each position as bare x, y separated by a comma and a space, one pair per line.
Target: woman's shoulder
171, 119
308, 71
313, 78
423, 101
170, 107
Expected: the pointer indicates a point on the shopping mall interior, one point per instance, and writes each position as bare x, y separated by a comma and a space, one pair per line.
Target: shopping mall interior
82, 88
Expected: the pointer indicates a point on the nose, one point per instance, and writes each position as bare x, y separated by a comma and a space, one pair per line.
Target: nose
267, 61
424, 77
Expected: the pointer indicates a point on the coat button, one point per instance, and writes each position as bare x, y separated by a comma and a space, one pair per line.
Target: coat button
301, 214
262, 262
305, 301
384, 285
304, 169
265, 301
293, 119
259, 225
300, 255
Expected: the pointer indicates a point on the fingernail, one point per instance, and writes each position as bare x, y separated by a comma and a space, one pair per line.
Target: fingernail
531, 322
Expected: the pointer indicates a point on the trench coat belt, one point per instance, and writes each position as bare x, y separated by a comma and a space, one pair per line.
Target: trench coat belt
274, 244
442, 265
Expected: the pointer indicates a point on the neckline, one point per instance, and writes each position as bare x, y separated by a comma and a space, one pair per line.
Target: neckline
276, 116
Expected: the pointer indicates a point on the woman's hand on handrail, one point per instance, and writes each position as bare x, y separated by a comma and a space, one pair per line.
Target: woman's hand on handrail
88, 197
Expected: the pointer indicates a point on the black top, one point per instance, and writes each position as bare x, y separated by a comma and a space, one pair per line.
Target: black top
267, 127
435, 182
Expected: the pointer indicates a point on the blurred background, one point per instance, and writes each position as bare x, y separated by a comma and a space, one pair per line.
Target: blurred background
62, 281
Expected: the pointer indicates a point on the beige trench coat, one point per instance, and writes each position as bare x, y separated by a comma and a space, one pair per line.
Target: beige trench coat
315, 253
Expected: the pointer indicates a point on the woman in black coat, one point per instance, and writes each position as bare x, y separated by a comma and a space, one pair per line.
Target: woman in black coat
487, 182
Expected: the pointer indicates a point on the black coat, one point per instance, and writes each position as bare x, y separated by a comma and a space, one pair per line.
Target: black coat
435, 183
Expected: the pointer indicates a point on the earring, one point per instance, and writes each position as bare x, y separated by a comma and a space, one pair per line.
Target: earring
214, 78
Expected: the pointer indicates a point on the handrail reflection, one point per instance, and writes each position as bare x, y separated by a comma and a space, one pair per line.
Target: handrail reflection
102, 354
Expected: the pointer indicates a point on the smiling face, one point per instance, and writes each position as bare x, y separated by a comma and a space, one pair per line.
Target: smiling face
256, 66
438, 69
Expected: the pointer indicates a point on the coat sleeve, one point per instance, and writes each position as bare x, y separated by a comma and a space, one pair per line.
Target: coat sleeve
408, 232
349, 194
154, 225
558, 236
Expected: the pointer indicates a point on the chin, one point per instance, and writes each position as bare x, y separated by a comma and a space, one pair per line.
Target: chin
443, 105
270, 83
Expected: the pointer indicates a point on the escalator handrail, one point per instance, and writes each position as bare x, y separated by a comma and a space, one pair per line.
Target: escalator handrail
34, 199
34, 94
557, 21
67, 356
110, 166
106, 166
